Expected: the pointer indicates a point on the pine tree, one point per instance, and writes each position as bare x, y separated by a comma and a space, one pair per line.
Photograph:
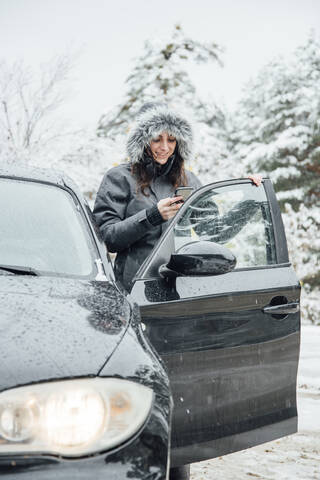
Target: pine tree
277, 132
160, 75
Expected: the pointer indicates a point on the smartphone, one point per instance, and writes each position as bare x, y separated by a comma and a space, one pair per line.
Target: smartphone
183, 192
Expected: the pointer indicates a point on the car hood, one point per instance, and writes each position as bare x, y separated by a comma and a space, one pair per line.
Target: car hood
53, 327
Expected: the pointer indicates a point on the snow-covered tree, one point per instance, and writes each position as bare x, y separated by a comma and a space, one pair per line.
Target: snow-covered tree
87, 161
277, 128
303, 227
160, 74
277, 132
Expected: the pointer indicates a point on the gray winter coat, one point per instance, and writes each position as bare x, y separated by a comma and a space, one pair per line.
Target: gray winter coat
120, 212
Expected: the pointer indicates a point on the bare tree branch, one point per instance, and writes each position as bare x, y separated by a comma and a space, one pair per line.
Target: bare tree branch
29, 101
8, 125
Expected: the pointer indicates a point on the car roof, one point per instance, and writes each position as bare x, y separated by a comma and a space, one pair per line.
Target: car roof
36, 174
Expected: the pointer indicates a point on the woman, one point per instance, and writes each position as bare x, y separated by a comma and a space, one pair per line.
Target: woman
136, 200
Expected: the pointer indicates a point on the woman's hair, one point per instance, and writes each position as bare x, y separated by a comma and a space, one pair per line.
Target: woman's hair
144, 175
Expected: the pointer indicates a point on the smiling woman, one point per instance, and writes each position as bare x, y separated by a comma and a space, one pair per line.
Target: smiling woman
136, 200
163, 147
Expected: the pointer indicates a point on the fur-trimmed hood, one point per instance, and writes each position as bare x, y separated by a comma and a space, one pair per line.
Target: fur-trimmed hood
154, 119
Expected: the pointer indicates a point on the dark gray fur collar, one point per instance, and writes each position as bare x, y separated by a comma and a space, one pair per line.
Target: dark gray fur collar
154, 121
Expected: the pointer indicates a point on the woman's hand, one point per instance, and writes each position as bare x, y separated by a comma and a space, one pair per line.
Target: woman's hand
256, 179
168, 207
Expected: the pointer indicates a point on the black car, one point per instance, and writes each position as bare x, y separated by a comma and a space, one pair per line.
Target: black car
198, 361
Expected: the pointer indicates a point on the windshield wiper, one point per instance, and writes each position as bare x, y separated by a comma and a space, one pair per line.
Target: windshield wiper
19, 270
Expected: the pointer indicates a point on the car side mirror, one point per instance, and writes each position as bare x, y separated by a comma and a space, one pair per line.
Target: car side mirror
199, 258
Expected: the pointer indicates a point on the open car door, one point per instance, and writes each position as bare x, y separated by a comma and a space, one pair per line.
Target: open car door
230, 342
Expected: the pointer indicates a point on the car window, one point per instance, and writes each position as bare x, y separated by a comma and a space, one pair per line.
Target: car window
237, 216
41, 228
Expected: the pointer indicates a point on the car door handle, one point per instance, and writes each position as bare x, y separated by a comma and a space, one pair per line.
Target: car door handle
285, 309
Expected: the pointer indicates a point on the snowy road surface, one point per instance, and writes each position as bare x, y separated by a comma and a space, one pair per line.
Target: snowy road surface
296, 457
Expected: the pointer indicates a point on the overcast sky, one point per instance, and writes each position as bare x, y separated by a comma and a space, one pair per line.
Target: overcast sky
109, 34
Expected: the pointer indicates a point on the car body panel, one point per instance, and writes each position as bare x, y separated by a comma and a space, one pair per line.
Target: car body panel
83, 328
232, 372
232, 367
146, 368
21, 171
54, 327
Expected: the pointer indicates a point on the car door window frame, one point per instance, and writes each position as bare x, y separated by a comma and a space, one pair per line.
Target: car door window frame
165, 245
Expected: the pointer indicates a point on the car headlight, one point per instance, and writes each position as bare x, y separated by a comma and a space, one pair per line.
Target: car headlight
72, 417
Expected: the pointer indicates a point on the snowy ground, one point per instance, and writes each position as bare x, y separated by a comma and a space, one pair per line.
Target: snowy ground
296, 457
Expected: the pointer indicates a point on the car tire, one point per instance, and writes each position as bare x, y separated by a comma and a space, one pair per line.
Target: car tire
180, 473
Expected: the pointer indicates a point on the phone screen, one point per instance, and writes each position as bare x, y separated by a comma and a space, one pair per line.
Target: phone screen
184, 192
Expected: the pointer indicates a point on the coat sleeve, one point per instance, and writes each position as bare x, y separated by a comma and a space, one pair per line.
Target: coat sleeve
118, 232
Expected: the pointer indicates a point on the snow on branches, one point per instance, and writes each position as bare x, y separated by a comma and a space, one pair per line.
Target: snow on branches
160, 75
277, 132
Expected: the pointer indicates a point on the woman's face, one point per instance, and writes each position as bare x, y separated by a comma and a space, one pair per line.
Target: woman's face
162, 147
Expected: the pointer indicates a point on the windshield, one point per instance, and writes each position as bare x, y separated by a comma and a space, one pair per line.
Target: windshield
41, 228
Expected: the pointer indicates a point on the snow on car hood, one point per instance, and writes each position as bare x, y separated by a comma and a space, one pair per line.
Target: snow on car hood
53, 327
